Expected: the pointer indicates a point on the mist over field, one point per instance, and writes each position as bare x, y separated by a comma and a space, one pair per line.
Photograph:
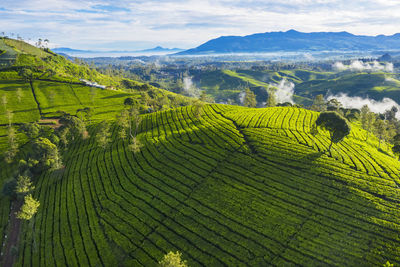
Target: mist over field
358, 102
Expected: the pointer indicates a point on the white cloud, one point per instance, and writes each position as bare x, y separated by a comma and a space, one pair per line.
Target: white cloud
357, 65
358, 102
189, 23
285, 91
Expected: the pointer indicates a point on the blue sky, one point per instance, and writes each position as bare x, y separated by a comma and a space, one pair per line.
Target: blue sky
131, 25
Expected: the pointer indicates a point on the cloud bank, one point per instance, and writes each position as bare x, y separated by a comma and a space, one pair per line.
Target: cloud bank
124, 24
357, 65
358, 102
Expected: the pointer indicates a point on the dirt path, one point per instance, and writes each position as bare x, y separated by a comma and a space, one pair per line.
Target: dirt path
13, 235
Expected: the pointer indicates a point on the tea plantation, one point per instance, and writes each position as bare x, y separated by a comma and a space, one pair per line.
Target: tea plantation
232, 187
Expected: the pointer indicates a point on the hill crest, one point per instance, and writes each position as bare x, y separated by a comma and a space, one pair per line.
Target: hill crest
293, 41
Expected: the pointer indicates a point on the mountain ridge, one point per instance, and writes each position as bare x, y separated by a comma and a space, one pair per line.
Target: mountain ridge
293, 41
157, 49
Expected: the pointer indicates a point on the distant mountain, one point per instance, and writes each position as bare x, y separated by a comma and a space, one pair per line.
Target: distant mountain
296, 41
161, 49
67, 50
155, 50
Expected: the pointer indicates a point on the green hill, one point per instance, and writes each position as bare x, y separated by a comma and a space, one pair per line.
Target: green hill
374, 85
37, 85
235, 187
52, 85
224, 84
231, 187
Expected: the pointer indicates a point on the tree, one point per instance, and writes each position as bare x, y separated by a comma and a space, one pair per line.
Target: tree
12, 148
24, 185
9, 115
4, 102
129, 102
28, 209
137, 121
77, 127
367, 120
135, 145
390, 114
249, 99
123, 122
337, 126
63, 133
334, 105
380, 130
19, 94
319, 103
103, 135
173, 260
46, 153
203, 96
396, 139
31, 130
198, 108
271, 101
26, 74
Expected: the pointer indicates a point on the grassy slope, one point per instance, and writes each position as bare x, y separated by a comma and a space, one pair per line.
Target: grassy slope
374, 85
52, 96
236, 187
307, 83
223, 84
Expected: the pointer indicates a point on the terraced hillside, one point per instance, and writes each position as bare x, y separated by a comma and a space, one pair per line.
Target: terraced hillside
46, 99
235, 187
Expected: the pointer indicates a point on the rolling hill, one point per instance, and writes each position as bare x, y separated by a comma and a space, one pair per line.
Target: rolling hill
56, 85
229, 186
235, 187
228, 84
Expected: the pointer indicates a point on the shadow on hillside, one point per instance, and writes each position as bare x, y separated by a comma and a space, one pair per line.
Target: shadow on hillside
312, 156
116, 96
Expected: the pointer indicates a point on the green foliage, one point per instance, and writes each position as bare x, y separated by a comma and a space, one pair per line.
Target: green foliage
29, 208
76, 127
173, 260
46, 153
396, 150
24, 185
123, 121
271, 101
319, 103
12, 148
129, 101
337, 126
249, 99
333, 105
367, 119
216, 188
198, 108
8, 188
103, 135
31, 130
